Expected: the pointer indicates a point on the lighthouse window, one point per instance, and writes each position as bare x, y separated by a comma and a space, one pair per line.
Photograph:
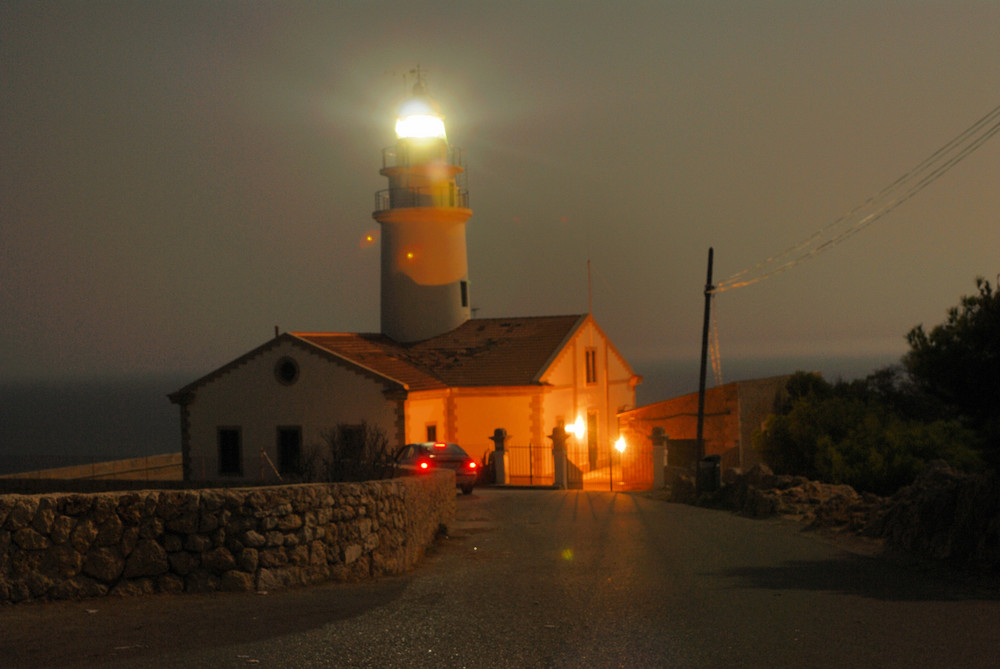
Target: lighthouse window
465, 293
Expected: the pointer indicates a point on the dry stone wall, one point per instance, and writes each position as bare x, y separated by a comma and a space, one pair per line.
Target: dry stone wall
64, 546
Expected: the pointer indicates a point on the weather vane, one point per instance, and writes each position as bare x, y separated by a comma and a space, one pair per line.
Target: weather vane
418, 72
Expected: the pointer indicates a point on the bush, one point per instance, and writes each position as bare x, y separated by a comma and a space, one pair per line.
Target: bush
849, 433
958, 363
349, 453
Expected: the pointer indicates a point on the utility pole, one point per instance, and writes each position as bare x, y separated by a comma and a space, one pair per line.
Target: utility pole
704, 359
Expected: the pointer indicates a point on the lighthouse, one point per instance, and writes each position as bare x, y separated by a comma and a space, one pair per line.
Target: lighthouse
425, 270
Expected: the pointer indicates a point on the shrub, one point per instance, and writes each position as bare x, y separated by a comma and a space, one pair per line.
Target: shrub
849, 433
349, 453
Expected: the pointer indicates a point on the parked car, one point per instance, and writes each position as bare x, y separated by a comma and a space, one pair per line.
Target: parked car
416, 459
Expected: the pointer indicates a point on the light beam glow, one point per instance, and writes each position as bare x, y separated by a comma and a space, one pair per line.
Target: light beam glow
420, 126
577, 429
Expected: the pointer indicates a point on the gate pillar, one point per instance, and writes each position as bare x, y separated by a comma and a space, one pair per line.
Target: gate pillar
659, 439
558, 438
501, 460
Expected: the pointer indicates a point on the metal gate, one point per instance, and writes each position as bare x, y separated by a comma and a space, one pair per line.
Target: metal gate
530, 465
587, 469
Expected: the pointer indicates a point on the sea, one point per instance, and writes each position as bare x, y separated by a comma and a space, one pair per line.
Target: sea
47, 424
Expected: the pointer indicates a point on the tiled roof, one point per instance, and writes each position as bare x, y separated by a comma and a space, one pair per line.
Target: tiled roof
480, 352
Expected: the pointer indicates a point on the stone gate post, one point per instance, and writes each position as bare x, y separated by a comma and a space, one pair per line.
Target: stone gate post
501, 459
558, 438
659, 439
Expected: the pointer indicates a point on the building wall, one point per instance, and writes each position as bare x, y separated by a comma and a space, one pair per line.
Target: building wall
732, 413
572, 398
758, 399
423, 409
251, 398
480, 411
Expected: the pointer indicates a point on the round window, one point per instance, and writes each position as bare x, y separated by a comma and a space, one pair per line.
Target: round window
287, 371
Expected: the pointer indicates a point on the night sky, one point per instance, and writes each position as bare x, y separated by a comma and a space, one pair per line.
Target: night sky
178, 178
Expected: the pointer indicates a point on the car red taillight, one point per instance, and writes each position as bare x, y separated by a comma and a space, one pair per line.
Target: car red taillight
424, 465
471, 464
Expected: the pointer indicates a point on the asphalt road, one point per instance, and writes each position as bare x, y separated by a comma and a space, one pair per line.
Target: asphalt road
556, 579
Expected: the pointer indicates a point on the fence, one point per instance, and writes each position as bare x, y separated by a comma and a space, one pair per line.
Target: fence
609, 470
530, 465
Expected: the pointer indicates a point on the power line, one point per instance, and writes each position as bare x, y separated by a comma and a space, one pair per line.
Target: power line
899, 191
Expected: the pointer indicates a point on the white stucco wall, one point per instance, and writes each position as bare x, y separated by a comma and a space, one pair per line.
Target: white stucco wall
250, 397
571, 398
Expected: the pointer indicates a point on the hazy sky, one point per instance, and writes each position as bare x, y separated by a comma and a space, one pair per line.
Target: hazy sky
177, 178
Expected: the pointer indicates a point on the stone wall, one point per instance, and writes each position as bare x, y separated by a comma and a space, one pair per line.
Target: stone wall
163, 467
72, 545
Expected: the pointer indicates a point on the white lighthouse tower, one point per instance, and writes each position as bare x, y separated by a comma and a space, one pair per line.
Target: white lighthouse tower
425, 270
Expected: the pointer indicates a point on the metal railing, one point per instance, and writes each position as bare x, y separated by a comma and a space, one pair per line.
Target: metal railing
530, 465
399, 198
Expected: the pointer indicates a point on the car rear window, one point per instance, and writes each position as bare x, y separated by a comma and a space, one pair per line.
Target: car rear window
451, 450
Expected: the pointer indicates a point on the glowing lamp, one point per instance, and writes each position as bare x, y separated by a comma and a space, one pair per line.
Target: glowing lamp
577, 429
420, 127
620, 445
418, 119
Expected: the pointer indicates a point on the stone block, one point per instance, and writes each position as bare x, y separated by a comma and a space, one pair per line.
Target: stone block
272, 557
134, 588
197, 543
185, 523
201, 581
44, 517
22, 513
148, 559
237, 581
218, 560
248, 559
62, 562
62, 526
172, 543
351, 553
29, 539
83, 535
254, 539
77, 504
151, 527
183, 563
109, 532
170, 584
78, 587
106, 564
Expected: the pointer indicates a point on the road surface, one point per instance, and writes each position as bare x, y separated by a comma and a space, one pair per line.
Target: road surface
542, 578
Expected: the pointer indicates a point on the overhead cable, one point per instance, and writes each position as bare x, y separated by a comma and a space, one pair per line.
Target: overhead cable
899, 191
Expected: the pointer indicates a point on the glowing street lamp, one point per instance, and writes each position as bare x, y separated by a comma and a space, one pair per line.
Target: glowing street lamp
620, 447
577, 429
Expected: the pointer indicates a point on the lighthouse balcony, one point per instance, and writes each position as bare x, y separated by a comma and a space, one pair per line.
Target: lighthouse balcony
399, 198
410, 154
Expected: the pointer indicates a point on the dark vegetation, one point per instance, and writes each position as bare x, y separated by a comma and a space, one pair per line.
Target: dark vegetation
877, 434
349, 453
